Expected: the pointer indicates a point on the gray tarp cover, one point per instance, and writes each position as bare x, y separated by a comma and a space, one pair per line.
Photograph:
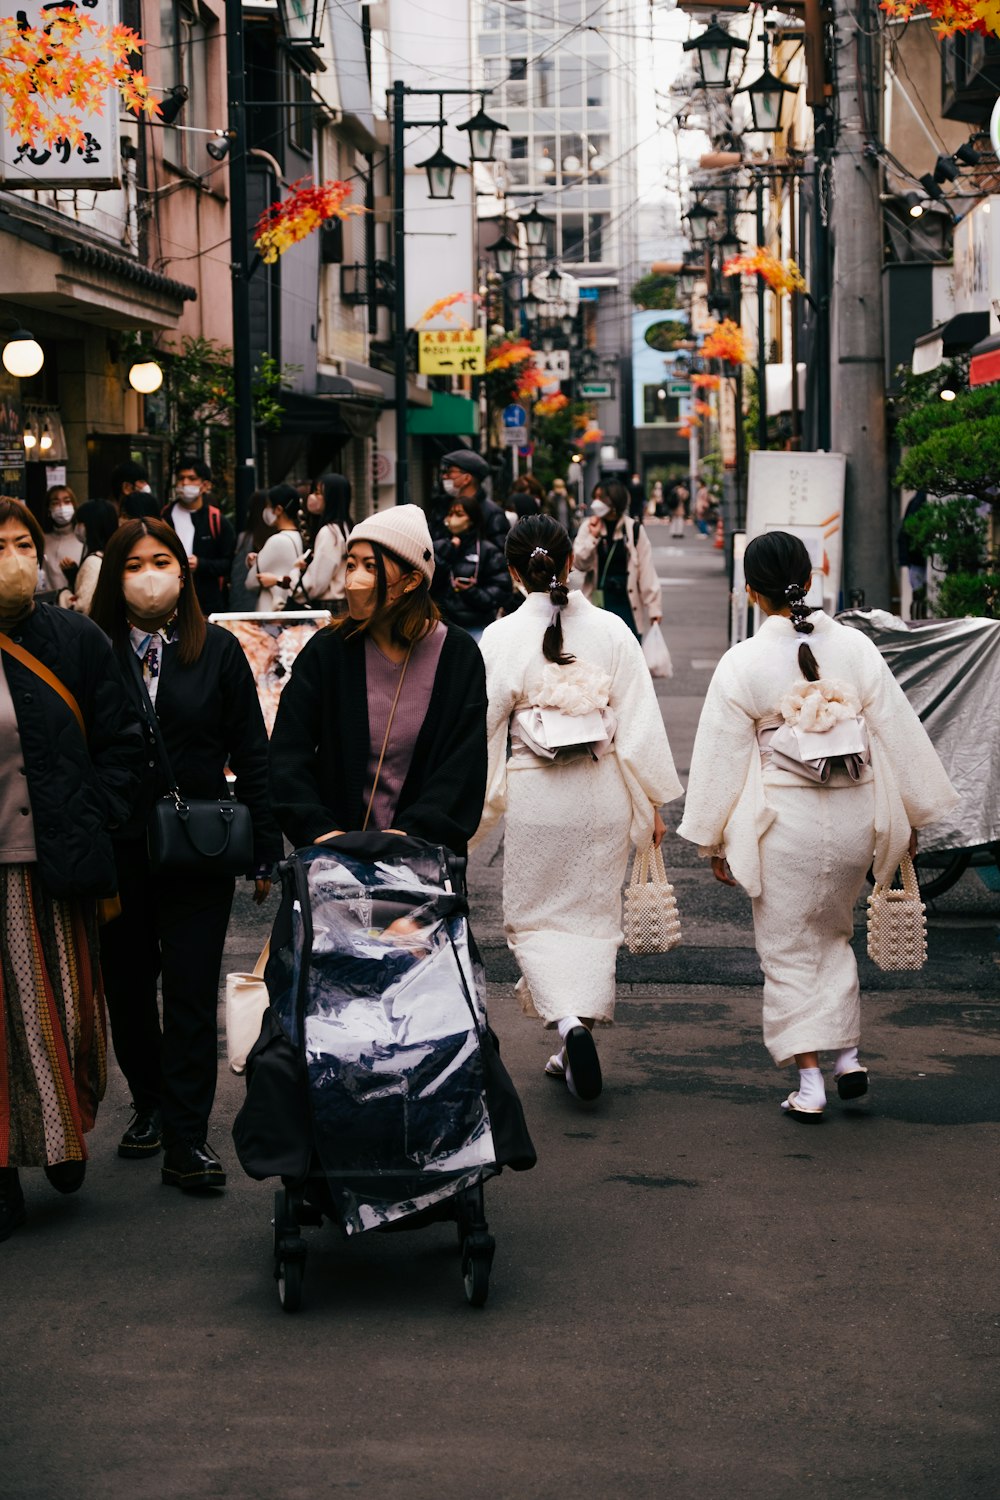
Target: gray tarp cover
950, 672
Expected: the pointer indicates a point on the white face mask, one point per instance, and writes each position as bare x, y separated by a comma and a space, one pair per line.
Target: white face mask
18, 580
450, 487
187, 494
62, 515
268, 515
512, 517
315, 505
152, 592
599, 509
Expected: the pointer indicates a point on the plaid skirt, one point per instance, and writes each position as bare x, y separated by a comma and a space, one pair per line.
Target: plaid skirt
53, 1033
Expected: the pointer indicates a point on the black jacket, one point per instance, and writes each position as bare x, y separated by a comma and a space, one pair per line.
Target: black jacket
476, 606
495, 522
77, 791
320, 745
210, 716
215, 548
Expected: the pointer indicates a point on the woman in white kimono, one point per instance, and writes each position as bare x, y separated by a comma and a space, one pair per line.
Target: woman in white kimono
799, 848
574, 812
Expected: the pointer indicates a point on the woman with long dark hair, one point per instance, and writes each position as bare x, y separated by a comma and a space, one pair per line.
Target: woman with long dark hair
799, 847
578, 796
271, 570
96, 522
471, 582
613, 552
324, 567
202, 693
70, 758
383, 718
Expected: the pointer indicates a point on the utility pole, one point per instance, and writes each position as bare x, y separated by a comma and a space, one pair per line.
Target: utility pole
399, 275
239, 239
857, 353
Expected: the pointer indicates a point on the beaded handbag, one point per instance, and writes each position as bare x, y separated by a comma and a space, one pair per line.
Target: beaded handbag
651, 920
897, 923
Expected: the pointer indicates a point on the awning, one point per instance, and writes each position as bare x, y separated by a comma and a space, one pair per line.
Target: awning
957, 336
447, 416
984, 366
341, 415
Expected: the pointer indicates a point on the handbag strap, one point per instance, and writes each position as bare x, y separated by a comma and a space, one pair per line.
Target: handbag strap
150, 715
260, 965
910, 883
648, 867
48, 677
385, 739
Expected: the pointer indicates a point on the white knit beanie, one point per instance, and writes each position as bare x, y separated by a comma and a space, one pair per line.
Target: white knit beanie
403, 530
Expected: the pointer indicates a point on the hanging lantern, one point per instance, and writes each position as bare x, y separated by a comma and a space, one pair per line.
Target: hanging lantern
767, 97
504, 252
535, 224
482, 135
713, 50
440, 171
22, 355
700, 219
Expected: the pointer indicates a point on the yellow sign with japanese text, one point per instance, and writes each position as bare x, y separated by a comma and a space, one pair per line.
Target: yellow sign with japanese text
452, 351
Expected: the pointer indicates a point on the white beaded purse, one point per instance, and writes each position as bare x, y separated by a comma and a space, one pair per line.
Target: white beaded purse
897, 923
651, 921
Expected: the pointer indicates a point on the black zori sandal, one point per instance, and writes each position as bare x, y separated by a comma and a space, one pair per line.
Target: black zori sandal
583, 1066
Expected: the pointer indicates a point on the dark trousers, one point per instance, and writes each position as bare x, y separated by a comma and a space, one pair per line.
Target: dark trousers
172, 929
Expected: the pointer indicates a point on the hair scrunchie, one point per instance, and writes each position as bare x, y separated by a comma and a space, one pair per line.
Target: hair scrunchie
795, 593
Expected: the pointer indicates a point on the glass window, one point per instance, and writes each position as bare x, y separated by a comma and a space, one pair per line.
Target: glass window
596, 85
516, 90
544, 81
300, 125
184, 43
518, 68
572, 237
492, 17
659, 409
597, 222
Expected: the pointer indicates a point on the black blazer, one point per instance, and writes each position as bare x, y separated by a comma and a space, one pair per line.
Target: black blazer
320, 745
214, 553
209, 715
77, 791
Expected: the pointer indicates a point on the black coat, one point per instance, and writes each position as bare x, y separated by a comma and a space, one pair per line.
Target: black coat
320, 745
215, 548
77, 791
476, 606
210, 716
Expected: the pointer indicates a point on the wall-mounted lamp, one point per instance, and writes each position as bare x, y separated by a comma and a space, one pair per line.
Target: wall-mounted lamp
22, 355
145, 376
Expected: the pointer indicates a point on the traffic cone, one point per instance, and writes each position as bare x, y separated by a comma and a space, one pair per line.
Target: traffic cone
720, 536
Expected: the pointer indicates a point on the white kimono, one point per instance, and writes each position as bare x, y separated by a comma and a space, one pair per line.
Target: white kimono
570, 823
801, 851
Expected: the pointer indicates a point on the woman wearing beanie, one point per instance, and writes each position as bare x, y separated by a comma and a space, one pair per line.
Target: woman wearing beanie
579, 787
383, 721
801, 848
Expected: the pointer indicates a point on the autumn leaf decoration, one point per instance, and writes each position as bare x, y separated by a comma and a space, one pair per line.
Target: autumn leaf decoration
444, 308
53, 77
780, 275
725, 341
285, 223
550, 406
951, 16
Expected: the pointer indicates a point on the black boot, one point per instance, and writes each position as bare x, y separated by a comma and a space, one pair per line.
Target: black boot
12, 1214
192, 1166
144, 1135
67, 1176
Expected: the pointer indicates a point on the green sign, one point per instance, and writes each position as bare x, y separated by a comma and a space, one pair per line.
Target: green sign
596, 390
679, 388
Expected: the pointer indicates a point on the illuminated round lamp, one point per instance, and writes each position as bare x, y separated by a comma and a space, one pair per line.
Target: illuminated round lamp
45, 441
22, 355
914, 204
28, 436
598, 163
571, 164
948, 391
145, 377
545, 165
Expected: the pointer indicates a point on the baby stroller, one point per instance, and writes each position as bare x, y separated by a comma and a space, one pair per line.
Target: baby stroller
375, 1090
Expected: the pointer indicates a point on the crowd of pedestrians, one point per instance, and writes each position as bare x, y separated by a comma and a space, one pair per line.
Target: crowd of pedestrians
426, 708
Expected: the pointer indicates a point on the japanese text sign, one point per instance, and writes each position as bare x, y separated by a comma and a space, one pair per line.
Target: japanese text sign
95, 161
452, 351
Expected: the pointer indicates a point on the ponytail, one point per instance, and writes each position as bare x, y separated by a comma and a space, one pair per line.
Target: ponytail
777, 566
539, 548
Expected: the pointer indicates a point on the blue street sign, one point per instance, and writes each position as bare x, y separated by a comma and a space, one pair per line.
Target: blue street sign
590, 294
514, 416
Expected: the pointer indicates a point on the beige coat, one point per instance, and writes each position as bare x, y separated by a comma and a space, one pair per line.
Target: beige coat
644, 594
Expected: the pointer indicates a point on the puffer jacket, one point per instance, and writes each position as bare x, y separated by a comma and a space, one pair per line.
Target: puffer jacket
475, 558
78, 790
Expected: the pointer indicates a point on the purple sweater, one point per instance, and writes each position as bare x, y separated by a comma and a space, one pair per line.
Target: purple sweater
383, 678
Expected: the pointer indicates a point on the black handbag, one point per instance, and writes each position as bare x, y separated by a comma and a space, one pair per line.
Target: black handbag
194, 835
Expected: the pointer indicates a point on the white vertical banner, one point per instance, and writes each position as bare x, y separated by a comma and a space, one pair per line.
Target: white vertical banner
96, 161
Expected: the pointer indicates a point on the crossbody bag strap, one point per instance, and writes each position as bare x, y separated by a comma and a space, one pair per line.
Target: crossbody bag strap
385, 739
48, 677
607, 562
153, 721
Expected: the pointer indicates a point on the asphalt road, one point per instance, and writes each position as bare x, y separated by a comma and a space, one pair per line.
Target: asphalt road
692, 1297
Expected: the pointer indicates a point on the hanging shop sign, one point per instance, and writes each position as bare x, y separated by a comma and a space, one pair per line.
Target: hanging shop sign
452, 351
94, 160
554, 365
597, 390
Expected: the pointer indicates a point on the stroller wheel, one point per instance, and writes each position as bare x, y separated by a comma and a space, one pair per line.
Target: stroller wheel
477, 1260
290, 1274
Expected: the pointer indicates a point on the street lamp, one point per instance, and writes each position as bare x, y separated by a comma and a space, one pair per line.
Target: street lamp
440, 171
692, 269
302, 22
145, 377
482, 135
729, 244
713, 50
530, 306
22, 355
700, 219
504, 252
535, 224
767, 96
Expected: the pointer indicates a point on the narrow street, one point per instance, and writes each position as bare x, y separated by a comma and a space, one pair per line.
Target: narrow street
692, 1296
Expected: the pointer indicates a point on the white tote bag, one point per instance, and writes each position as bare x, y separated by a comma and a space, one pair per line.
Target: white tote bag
246, 1001
651, 921
897, 923
656, 652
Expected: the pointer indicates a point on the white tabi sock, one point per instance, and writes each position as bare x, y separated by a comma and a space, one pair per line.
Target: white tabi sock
566, 1025
846, 1062
812, 1090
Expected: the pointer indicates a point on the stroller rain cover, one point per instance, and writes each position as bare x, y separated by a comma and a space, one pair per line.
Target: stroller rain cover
376, 990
